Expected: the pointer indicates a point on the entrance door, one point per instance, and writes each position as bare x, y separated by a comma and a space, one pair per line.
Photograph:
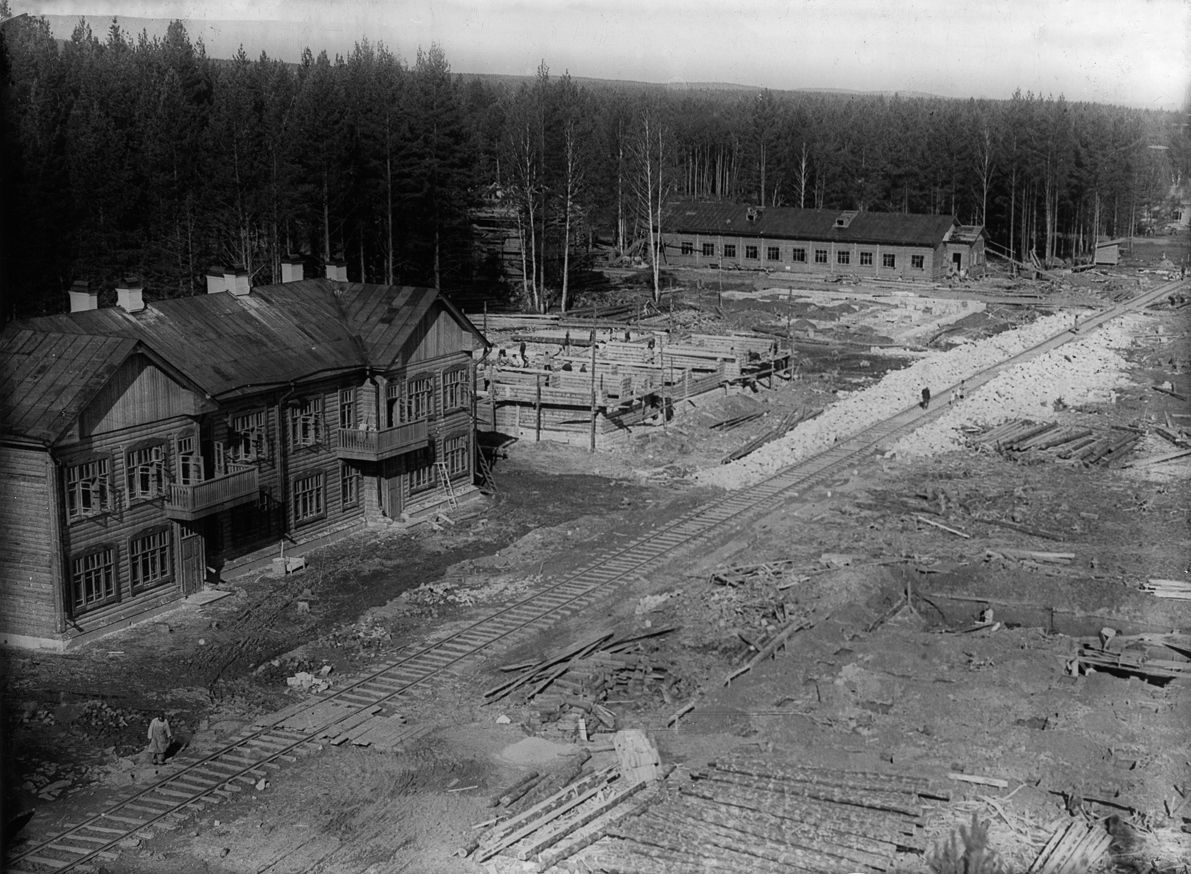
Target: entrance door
192, 561
958, 260
390, 488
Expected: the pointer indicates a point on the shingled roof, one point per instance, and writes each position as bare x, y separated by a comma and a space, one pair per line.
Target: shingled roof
789, 223
233, 345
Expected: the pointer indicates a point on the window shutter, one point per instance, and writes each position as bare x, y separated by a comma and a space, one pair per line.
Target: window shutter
220, 460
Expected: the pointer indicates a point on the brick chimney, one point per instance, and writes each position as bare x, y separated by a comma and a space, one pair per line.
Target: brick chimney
128, 295
82, 298
292, 269
337, 270
215, 281
236, 278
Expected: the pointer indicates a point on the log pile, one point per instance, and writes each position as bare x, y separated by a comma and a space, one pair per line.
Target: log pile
558, 817
1155, 658
756, 815
1024, 439
567, 690
1176, 589
1072, 849
788, 421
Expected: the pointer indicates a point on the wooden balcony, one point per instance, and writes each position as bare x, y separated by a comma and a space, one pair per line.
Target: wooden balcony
188, 503
357, 445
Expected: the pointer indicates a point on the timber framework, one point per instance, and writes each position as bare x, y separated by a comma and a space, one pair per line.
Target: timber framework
572, 383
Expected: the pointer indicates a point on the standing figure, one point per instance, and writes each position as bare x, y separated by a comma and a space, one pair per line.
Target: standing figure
160, 737
925, 399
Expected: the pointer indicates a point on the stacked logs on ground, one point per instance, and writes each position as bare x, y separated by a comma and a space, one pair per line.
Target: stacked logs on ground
568, 689
779, 430
1177, 590
564, 821
757, 815
766, 572
1068, 443
1155, 658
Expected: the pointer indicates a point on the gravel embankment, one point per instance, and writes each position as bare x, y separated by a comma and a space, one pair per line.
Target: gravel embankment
1091, 371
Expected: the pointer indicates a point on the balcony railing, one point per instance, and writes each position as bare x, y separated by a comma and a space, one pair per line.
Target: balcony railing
358, 445
240, 486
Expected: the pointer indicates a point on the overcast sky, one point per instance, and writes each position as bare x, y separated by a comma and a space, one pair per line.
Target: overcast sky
1133, 52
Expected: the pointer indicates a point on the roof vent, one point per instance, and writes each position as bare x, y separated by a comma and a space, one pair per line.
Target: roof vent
129, 295
844, 219
337, 270
237, 280
82, 298
215, 280
292, 269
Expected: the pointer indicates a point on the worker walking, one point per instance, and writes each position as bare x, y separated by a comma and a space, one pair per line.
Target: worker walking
925, 399
160, 737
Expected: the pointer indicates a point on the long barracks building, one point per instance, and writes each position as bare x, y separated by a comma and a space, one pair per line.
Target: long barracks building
877, 245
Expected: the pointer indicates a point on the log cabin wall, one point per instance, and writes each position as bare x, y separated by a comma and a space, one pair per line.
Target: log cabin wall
29, 556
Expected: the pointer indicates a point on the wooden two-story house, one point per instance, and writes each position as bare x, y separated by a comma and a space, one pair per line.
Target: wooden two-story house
143, 444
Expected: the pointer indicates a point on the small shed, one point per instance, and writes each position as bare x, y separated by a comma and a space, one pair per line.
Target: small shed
1108, 251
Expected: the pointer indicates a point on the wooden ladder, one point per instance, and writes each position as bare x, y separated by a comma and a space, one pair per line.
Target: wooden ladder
444, 484
486, 470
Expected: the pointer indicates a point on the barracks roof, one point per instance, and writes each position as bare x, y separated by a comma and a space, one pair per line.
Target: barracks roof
275, 335
789, 223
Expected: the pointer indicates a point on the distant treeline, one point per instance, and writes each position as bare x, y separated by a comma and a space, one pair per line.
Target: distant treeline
126, 155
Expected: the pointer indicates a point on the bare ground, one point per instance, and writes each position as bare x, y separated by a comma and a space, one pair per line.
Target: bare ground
869, 681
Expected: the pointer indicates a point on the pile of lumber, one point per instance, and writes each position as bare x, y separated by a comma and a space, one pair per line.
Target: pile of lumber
1156, 658
760, 815
551, 819
737, 421
787, 422
1072, 443
566, 690
1029, 557
1175, 589
775, 571
1073, 849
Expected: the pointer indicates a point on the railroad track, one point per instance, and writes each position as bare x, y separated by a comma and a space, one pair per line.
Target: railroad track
242, 762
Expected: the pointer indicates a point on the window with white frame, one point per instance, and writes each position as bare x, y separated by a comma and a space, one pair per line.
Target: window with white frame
93, 578
773, 253
843, 257
421, 470
248, 441
306, 422
729, 250
418, 401
455, 455
687, 247
750, 252
347, 408
798, 255
918, 262
349, 485
888, 260
820, 256
709, 250
189, 461
88, 491
866, 259
149, 559
309, 500
145, 468
454, 389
